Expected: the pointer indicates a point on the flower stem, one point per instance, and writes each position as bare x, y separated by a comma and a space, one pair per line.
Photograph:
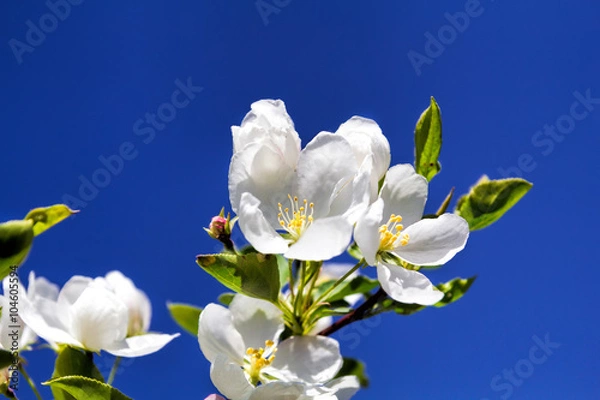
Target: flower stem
356, 315
113, 371
339, 281
291, 278
30, 382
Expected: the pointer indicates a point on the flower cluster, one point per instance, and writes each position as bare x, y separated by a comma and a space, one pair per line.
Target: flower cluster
299, 208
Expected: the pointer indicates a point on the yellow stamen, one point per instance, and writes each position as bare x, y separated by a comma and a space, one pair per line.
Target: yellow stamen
388, 240
300, 218
257, 359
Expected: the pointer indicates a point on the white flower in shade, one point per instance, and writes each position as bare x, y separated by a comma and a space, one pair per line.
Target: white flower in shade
87, 314
248, 362
393, 224
311, 196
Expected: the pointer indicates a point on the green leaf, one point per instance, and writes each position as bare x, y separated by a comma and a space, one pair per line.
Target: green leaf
73, 362
16, 238
428, 141
454, 290
46, 217
352, 366
6, 358
226, 298
253, 274
186, 316
82, 387
489, 200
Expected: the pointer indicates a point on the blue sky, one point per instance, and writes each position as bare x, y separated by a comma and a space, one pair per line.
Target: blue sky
519, 92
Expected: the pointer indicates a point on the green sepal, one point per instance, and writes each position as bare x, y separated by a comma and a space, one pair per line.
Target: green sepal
284, 270
73, 362
186, 316
428, 141
253, 274
445, 203
352, 366
358, 285
46, 217
489, 200
355, 252
16, 238
82, 387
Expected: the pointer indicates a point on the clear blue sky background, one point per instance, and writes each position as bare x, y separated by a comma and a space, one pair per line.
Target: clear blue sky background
77, 95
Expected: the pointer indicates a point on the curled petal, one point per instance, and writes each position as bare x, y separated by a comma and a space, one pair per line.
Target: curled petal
406, 286
141, 345
434, 241
230, 379
366, 232
217, 335
257, 229
404, 193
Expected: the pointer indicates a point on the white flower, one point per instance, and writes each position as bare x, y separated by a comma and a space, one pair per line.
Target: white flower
313, 196
248, 363
87, 314
393, 224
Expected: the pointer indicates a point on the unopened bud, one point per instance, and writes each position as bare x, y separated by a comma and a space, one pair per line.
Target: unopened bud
218, 226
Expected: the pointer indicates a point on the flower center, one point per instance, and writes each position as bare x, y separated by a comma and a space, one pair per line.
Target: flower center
259, 358
391, 232
300, 217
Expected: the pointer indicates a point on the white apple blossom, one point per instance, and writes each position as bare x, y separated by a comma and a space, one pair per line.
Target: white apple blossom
393, 224
248, 363
314, 195
87, 314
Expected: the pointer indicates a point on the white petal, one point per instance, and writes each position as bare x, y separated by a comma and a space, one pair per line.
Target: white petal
256, 320
355, 197
324, 239
257, 230
230, 379
98, 318
260, 170
344, 387
137, 302
434, 241
279, 391
311, 359
217, 335
44, 323
268, 120
141, 345
323, 164
322, 323
41, 287
365, 137
404, 193
366, 232
406, 286
68, 295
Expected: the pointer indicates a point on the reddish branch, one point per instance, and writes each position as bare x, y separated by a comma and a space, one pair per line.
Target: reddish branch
355, 315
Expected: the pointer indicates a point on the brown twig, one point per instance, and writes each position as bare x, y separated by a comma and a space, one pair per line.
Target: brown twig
355, 315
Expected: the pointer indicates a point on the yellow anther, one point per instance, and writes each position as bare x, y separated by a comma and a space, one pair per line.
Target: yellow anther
296, 221
257, 359
387, 239
269, 343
